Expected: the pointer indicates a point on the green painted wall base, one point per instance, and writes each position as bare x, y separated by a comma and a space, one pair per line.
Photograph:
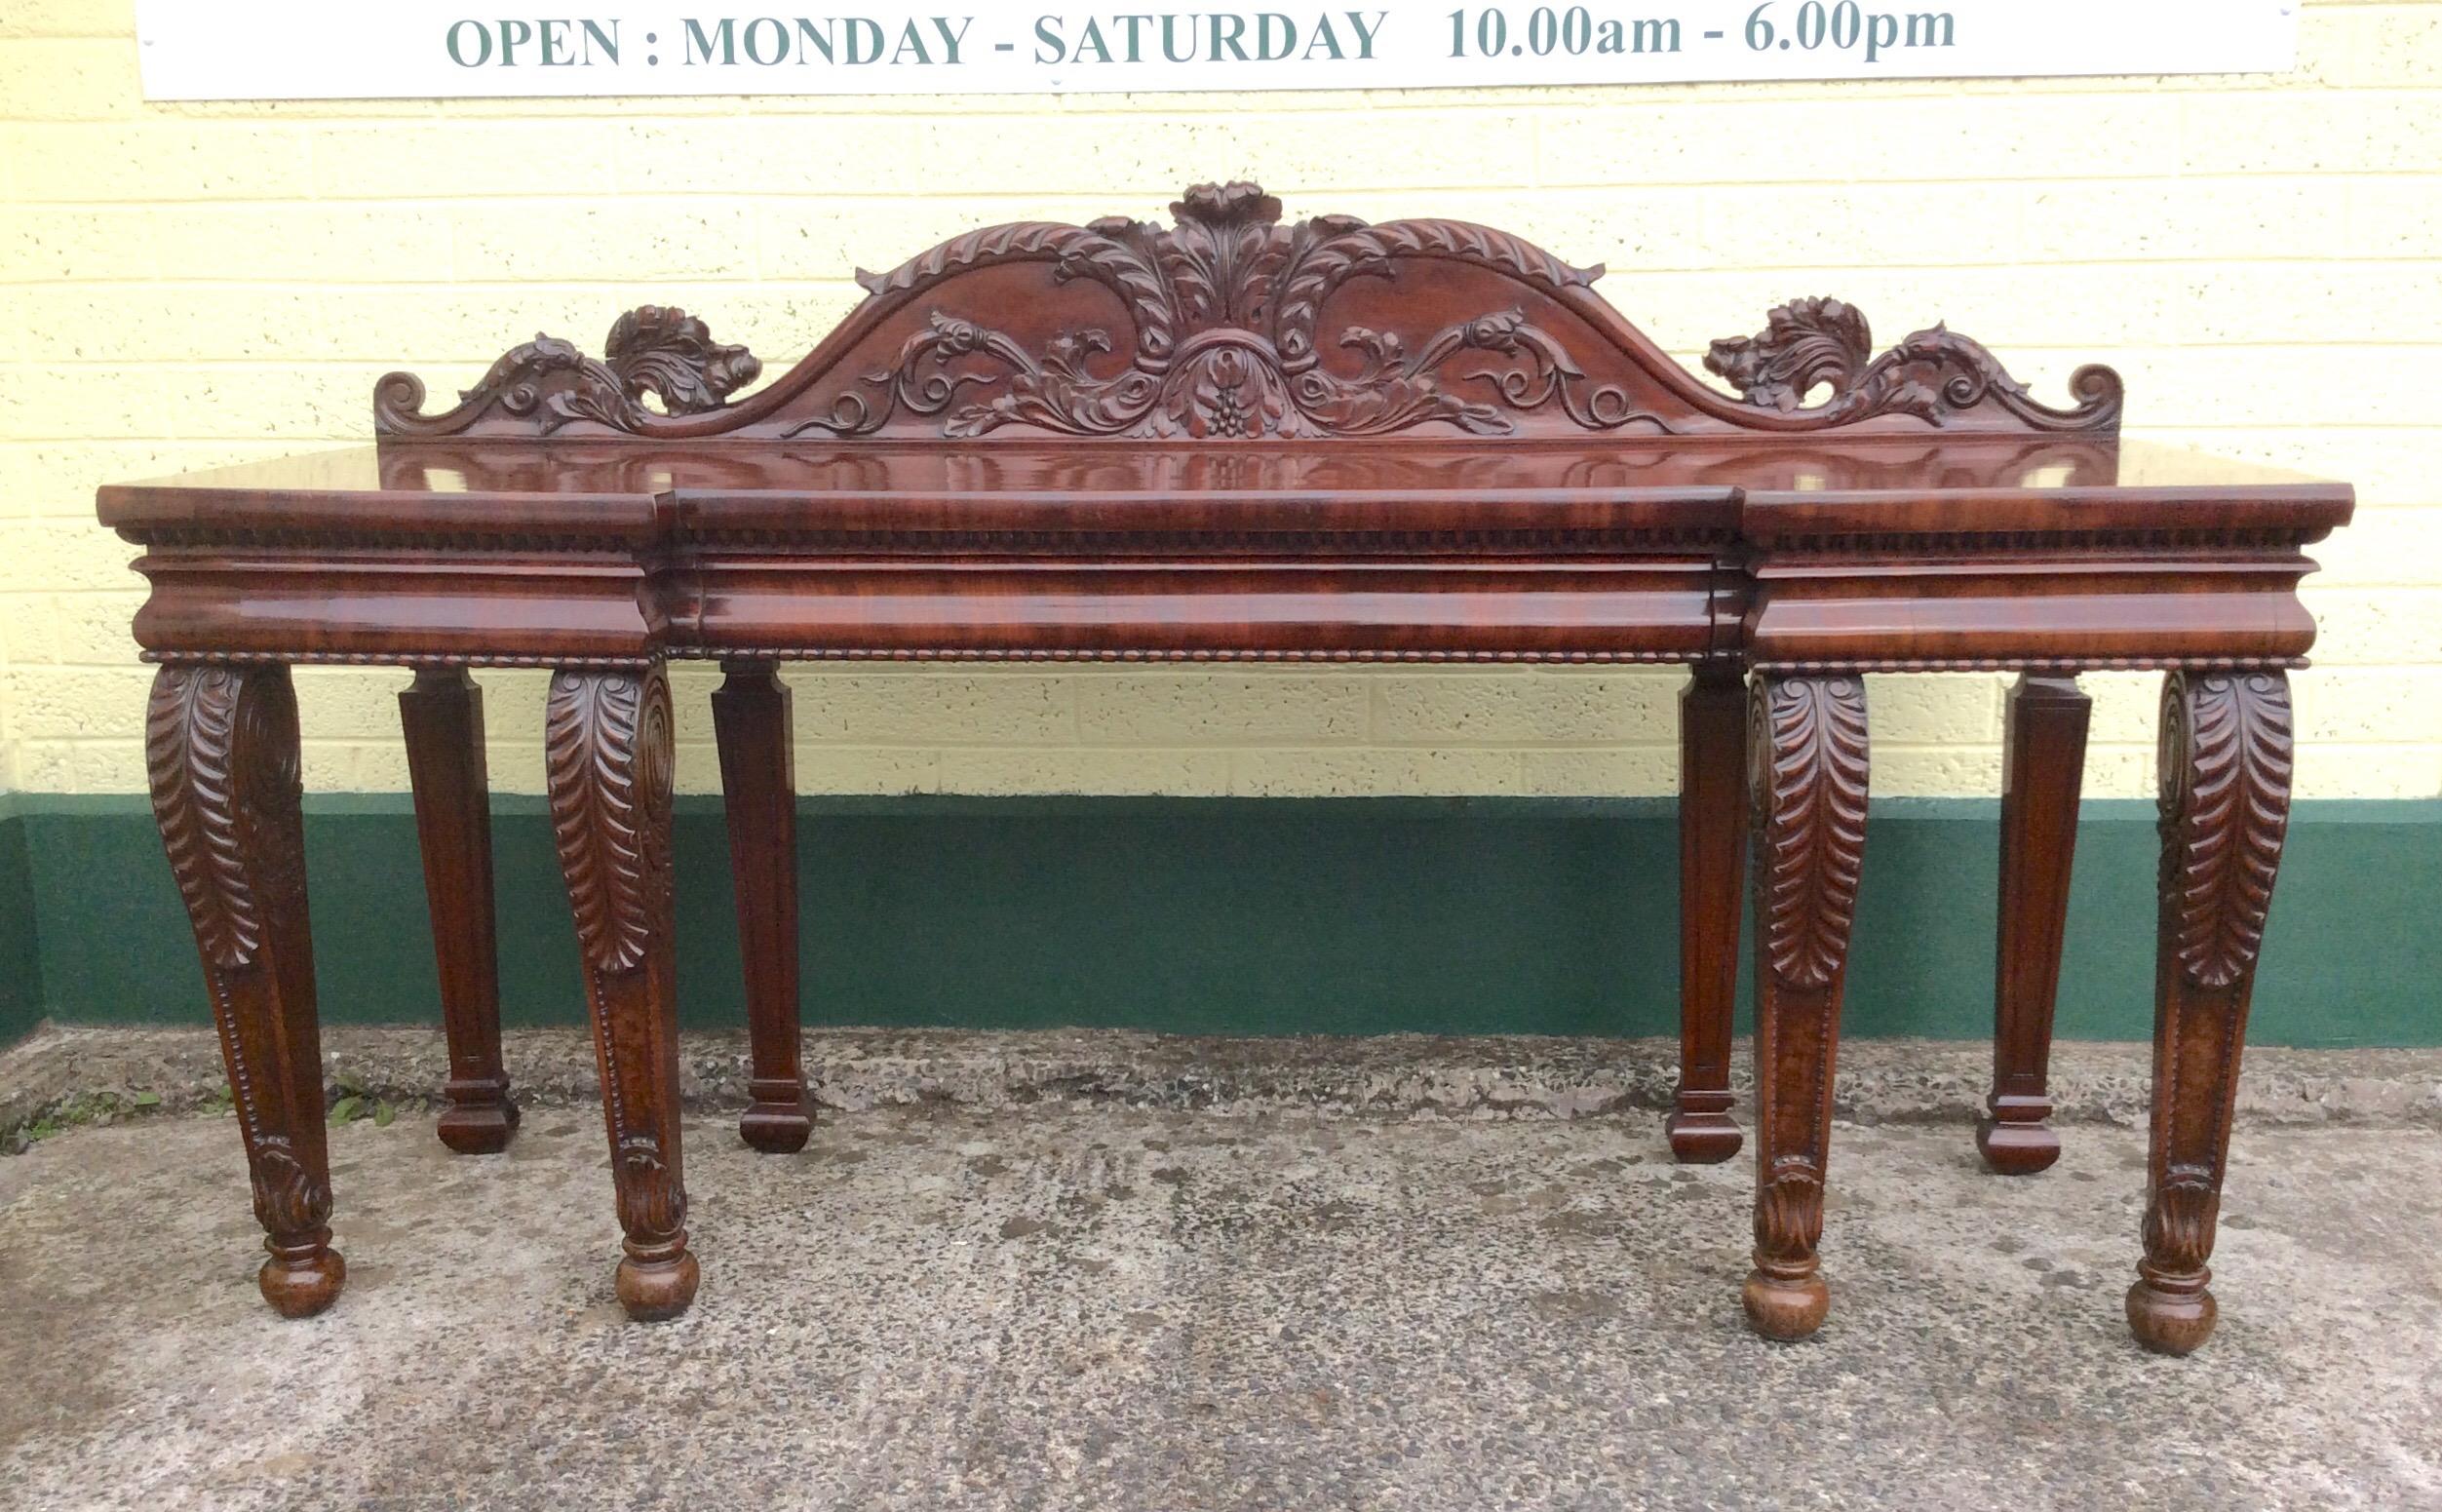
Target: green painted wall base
1238, 916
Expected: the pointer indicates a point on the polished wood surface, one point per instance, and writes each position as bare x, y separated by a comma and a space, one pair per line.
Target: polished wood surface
220, 745
608, 487
2043, 762
442, 715
759, 789
1712, 878
2226, 764
1239, 437
1807, 778
1233, 325
607, 763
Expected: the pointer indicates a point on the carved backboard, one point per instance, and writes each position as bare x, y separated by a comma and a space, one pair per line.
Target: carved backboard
1234, 326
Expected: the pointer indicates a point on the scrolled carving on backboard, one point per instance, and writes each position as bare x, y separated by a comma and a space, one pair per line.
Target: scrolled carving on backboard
1933, 374
1224, 306
1217, 328
654, 349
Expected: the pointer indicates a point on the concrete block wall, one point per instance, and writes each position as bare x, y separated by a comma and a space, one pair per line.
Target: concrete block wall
187, 284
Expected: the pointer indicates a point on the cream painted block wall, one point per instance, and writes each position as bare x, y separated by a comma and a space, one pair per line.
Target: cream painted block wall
182, 286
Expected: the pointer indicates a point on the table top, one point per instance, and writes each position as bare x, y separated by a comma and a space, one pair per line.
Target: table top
1893, 484
1414, 465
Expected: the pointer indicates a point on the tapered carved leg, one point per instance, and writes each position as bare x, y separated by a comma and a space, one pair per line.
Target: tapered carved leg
607, 763
2043, 762
2225, 774
220, 747
759, 789
1807, 783
1712, 860
443, 717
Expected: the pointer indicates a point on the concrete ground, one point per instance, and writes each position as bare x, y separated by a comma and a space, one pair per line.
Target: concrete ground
1090, 1305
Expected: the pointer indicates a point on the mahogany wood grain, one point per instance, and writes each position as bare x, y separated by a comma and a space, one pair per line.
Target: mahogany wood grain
442, 715
1237, 436
759, 791
2226, 765
1712, 878
1807, 782
2042, 766
608, 759
220, 745
1231, 326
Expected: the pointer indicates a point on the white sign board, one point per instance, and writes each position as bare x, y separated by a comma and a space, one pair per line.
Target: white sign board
319, 50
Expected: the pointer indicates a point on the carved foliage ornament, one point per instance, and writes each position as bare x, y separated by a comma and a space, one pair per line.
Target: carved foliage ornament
1224, 340
608, 764
607, 750
1788, 1218
2179, 1223
655, 349
220, 749
291, 1202
1224, 306
1816, 343
1809, 754
2224, 809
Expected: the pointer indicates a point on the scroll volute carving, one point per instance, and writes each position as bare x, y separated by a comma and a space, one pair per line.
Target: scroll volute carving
546, 384
1814, 363
1234, 324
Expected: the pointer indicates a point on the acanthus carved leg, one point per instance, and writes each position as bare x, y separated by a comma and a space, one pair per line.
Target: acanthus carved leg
443, 713
758, 792
1807, 784
220, 749
1712, 860
2224, 809
2043, 764
608, 760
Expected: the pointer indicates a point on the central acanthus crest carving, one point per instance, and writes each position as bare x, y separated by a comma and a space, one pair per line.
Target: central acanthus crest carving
1224, 307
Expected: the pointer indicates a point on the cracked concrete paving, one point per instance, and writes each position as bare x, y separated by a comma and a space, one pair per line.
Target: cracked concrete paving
1114, 1308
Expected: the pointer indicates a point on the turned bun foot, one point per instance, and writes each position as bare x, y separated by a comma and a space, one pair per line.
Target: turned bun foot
2017, 1149
2170, 1322
776, 1128
1786, 1310
301, 1288
479, 1128
1702, 1138
655, 1290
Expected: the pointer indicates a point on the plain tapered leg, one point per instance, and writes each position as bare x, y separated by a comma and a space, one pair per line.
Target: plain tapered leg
2224, 810
759, 791
1807, 783
1712, 860
443, 713
2043, 762
607, 760
220, 747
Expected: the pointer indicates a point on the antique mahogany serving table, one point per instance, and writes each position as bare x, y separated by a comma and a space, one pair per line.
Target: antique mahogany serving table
1233, 439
